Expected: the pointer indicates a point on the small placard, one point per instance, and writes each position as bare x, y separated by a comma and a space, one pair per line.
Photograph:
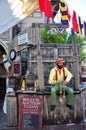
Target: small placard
22, 39
30, 113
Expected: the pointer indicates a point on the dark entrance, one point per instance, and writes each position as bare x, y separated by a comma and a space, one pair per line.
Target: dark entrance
2, 88
2, 92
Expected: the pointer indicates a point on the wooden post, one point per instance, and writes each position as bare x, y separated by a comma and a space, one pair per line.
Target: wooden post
76, 65
39, 60
11, 104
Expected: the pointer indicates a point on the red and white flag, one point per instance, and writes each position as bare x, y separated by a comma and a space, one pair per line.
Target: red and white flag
72, 18
74, 22
79, 6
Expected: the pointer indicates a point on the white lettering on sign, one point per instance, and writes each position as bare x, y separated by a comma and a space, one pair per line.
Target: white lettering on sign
31, 104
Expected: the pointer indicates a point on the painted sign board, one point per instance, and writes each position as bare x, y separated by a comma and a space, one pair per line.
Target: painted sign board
30, 112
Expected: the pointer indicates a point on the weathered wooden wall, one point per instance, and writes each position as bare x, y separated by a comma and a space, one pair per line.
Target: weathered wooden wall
50, 52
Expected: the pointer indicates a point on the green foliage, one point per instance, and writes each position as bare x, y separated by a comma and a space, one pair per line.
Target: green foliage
79, 39
58, 38
83, 52
48, 35
45, 35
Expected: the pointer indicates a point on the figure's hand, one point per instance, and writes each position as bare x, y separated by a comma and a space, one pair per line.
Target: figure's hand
57, 82
65, 83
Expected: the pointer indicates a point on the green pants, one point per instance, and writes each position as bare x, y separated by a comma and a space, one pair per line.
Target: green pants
56, 88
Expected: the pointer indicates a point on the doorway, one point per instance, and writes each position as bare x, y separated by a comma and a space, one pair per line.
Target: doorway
2, 91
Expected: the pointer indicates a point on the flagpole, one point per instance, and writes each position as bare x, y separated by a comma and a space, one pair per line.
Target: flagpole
75, 62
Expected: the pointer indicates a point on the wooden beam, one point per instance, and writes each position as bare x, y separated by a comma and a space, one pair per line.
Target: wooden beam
43, 25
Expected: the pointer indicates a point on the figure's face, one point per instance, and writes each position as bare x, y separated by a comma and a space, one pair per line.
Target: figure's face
60, 65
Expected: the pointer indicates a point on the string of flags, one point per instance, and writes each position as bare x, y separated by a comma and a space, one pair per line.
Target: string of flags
65, 15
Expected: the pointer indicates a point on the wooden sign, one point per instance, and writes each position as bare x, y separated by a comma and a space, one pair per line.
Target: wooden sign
30, 113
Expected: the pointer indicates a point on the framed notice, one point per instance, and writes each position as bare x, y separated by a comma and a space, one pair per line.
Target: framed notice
30, 112
17, 68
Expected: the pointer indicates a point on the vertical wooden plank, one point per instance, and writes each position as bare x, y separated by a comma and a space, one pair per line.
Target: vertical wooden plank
83, 104
39, 60
11, 111
77, 108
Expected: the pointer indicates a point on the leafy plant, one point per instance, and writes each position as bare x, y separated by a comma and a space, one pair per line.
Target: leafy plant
49, 36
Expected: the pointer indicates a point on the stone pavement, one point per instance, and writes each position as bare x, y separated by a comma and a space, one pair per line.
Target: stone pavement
55, 127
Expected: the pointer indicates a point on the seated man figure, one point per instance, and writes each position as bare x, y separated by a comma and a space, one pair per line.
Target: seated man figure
60, 76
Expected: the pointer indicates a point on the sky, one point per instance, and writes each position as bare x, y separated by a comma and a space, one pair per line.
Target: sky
79, 6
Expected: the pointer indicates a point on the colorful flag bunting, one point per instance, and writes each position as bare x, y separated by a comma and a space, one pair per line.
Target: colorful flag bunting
74, 22
72, 17
80, 26
46, 7
63, 11
84, 26
57, 18
60, 30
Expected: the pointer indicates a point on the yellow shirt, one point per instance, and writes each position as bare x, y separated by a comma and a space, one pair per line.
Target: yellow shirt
60, 75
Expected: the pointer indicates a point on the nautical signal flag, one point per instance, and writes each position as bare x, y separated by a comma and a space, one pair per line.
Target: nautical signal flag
74, 22
80, 26
84, 27
72, 18
63, 11
46, 7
